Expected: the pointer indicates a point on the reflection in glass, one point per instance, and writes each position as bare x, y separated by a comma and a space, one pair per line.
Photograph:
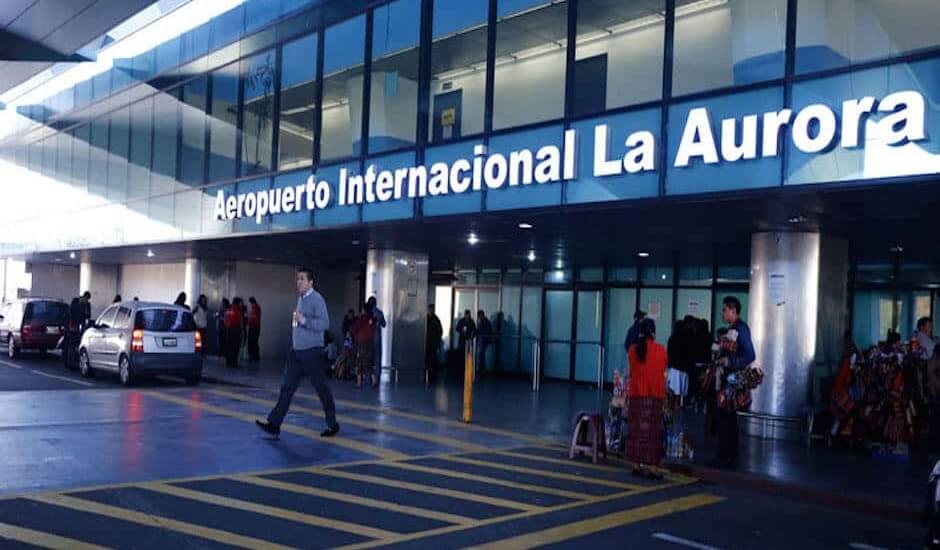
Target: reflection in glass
587, 352
559, 305
511, 302
193, 117
141, 149
728, 43
531, 39
621, 304
223, 124
258, 116
343, 58
458, 69
98, 167
618, 54
833, 34
393, 109
166, 129
118, 149
298, 103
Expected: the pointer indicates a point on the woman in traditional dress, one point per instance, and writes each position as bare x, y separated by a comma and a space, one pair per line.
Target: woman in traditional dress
647, 390
363, 334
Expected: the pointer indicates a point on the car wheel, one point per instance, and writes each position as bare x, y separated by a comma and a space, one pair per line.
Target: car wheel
124, 370
12, 351
84, 365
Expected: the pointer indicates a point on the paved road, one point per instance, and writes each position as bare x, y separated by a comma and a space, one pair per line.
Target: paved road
164, 466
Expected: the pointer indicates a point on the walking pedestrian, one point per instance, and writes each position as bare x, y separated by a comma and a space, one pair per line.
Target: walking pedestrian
254, 329
373, 309
432, 342
201, 319
484, 336
86, 310
647, 390
363, 334
233, 321
310, 320
466, 331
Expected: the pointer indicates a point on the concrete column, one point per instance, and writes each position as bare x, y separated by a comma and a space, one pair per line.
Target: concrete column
192, 283
797, 315
102, 281
399, 282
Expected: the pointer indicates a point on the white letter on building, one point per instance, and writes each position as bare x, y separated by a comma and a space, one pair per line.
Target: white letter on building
384, 185
570, 156
220, 206
459, 181
852, 112
602, 166
548, 168
773, 122
642, 154
494, 171
906, 124
438, 184
322, 195
731, 151
697, 139
826, 133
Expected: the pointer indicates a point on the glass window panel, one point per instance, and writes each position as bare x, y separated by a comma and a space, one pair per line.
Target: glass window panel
467, 276
210, 225
622, 274
529, 85
533, 276
458, 69
559, 306
509, 328
227, 27
488, 302
80, 152
335, 214
187, 210
621, 305
101, 85
512, 276
166, 119
588, 333
260, 12
657, 303
258, 115
393, 109
872, 314
194, 43
531, 326
64, 158
694, 302
695, 275
193, 127
298, 102
657, 276
168, 55
523, 195
734, 273
489, 277
343, 58
728, 43
618, 54
248, 223
397, 208
119, 149
98, 166
558, 276
140, 150
49, 157
836, 33
83, 93
465, 300
299, 218
223, 123
591, 274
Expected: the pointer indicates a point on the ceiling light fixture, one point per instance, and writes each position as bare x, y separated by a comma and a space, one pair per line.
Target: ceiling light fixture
473, 239
355, 242
896, 249
643, 254
71, 255
796, 219
525, 225
150, 253
531, 256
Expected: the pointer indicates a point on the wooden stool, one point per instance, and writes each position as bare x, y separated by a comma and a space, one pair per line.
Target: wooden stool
593, 425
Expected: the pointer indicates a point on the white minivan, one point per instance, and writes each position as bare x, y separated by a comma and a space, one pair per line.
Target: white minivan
142, 338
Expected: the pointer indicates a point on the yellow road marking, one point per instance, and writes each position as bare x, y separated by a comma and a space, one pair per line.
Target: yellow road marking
543, 473
602, 523
433, 438
374, 450
281, 513
45, 540
353, 499
562, 461
151, 520
375, 480
504, 519
668, 475
490, 480
445, 422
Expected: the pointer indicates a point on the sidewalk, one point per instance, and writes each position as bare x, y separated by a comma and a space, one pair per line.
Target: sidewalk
833, 477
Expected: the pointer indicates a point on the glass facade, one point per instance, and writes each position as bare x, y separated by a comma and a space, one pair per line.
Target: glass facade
277, 90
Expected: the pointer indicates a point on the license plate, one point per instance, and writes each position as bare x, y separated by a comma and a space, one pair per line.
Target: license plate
169, 342
52, 330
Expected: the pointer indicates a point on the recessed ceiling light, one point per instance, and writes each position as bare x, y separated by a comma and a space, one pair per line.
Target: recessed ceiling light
150, 253
355, 242
473, 239
643, 254
897, 249
71, 255
663, 276
525, 225
796, 219
559, 264
531, 256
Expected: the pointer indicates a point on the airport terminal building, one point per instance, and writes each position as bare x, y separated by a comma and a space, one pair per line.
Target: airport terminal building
557, 164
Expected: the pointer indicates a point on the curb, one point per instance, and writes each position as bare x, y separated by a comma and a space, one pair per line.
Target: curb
762, 484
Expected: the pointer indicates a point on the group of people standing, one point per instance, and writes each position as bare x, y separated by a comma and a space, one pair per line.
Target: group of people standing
236, 324
646, 391
362, 344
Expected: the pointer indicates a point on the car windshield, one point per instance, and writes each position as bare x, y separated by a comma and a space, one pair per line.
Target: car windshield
46, 313
164, 320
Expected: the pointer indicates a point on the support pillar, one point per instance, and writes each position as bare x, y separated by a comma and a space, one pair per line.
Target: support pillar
797, 314
102, 281
399, 282
192, 281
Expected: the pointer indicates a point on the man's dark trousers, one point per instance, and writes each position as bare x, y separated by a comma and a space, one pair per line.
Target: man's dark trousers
312, 364
727, 424
254, 335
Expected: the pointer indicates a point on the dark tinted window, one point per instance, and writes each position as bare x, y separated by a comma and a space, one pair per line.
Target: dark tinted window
46, 313
164, 320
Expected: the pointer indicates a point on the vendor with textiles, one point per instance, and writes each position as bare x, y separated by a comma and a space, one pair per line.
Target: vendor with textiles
735, 356
647, 390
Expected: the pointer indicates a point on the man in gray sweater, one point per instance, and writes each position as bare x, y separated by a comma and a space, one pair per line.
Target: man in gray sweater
310, 321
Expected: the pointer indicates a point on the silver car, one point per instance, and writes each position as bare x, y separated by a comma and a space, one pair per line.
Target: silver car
138, 338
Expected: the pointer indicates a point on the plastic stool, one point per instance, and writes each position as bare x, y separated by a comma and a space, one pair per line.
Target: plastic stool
589, 425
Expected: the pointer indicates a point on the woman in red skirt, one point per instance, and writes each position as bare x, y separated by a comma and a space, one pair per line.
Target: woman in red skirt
647, 390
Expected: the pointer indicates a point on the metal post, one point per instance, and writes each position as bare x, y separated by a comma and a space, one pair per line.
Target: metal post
536, 356
600, 368
468, 382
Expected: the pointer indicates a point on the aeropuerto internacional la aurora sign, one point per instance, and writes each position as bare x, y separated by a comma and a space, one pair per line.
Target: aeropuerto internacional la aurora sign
813, 129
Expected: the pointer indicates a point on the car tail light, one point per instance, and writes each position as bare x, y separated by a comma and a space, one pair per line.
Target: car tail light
198, 341
137, 340
27, 329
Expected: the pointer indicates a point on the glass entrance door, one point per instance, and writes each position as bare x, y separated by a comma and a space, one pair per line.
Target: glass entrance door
588, 354
559, 306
